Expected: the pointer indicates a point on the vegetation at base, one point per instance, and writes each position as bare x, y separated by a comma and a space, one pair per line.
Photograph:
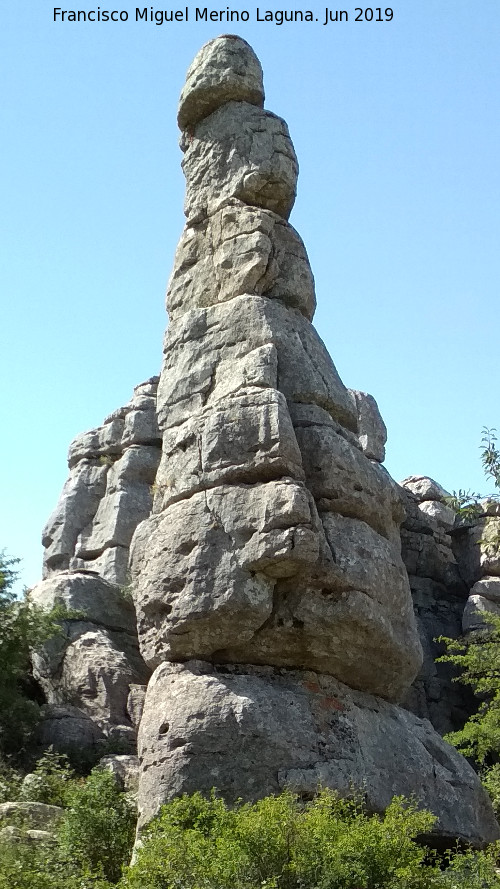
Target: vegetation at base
276, 843
23, 626
478, 658
281, 843
93, 842
477, 655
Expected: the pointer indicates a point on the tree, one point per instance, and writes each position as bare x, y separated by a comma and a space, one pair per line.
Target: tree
478, 655
22, 626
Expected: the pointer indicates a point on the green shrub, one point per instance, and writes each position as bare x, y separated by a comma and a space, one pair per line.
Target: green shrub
98, 829
52, 781
278, 843
22, 626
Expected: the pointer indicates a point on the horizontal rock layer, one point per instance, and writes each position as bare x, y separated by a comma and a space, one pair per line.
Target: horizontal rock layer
252, 732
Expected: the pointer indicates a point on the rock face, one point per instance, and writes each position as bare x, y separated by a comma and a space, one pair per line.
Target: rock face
108, 491
89, 672
439, 597
254, 731
272, 600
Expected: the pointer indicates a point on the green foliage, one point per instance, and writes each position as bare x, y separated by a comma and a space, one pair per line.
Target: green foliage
99, 828
52, 781
279, 843
478, 658
491, 781
42, 866
467, 504
23, 626
491, 456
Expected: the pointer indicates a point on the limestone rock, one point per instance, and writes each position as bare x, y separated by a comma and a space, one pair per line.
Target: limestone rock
475, 607
108, 492
225, 70
38, 816
438, 512
67, 728
242, 152
125, 770
284, 525
252, 732
477, 548
372, 432
94, 660
439, 596
240, 250
424, 488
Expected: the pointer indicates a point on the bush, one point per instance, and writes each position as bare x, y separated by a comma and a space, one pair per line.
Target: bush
22, 627
99, 827
52, 781
279, 843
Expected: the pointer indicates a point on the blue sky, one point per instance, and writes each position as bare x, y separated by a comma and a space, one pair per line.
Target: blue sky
397, 129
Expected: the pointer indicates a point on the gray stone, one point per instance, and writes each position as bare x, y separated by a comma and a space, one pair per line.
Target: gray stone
125, 769
474, 609
92, 597
240, 250
425, 488
372, 430
251, 732
487, 588
77, 506
438, 512
33, 814
239, 151
225, 69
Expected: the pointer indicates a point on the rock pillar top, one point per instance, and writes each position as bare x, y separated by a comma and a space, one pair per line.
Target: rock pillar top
225, 70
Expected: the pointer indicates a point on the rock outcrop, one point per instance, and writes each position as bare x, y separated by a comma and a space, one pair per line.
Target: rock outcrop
91, 673
272, 602
439, 597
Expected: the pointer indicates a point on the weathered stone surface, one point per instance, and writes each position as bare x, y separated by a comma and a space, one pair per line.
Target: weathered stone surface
441, 514
68, 729
91, 596
272, 548
259, 558
477, 549
125, 768
474, 609
77, 505
93, 661
225, 70
424, 488
488, 588
253, 732
240, 151
372, 432
108, 492
439, 596
36, 815
284, 526
13, 834
240, 250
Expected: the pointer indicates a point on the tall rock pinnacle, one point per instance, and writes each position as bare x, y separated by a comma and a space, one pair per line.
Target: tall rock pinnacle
274, 538
272, 604
271, 598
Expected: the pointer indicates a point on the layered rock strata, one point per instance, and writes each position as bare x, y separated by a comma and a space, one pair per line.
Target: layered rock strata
272, 557
92, 674
439, 597
477, 548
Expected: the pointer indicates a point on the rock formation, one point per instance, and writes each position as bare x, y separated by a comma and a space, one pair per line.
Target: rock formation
272, 601
93, 675
273, 606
